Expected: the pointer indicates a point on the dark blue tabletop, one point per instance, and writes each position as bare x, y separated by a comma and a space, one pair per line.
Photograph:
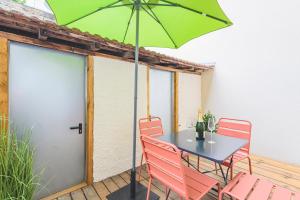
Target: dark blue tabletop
221, 150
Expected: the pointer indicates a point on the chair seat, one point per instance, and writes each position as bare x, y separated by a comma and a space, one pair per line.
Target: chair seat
237, 156
250, 187
198, 184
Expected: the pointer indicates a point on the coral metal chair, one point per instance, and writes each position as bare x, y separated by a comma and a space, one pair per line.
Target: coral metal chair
152, 126
239, 129
250, 187
164, 164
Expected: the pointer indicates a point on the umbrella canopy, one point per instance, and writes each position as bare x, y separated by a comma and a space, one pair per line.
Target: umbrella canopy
155, 23
163, 23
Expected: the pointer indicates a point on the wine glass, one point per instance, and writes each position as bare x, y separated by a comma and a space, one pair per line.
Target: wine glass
211, 127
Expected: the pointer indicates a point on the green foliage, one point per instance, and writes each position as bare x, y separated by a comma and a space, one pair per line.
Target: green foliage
206, 117
17, 179
20, 1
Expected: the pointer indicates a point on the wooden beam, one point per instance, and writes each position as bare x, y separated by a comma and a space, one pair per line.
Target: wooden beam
128, 55
171, 69
3, 77
42, 34
94, 46
61, 47
66, 191
151, 60
176, 89
90, 119
26, 26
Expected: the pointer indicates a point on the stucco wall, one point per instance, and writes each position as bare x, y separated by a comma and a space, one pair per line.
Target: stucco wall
189, 94
114, 114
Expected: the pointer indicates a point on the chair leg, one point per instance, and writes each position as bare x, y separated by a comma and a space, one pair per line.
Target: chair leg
219, 189
231, 172
167, 191
198, 162
188, 159
220, 196
149, 188
140, 170
250, 165
216, 168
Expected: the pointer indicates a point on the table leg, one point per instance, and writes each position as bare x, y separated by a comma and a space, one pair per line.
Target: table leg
230, 165
190, 164
222, 171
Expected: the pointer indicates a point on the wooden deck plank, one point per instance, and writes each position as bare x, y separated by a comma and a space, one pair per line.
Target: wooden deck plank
101, 190
119, 181
276, 175
125, 177
90, 193
111, 186
144, 182
289, 167
78, 195
287, 182
279, 173
265, 165
153, 189
65, 197
156, 184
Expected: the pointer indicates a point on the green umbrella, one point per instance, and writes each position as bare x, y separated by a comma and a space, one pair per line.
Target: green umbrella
155, 23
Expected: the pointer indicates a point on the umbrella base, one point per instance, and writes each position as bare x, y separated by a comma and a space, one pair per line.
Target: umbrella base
124, 193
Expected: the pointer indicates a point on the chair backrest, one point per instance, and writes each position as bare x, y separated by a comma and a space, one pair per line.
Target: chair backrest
151, 126
164, 163
236, 128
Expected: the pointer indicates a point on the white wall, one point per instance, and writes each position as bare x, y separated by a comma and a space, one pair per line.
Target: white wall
189, 97
113, 95
39, 4
257, 72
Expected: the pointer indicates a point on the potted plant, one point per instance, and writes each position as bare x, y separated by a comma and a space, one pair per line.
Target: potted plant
206, 117
202, 123
17, 178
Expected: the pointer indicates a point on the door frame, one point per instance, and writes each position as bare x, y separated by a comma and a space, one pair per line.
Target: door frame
89, 87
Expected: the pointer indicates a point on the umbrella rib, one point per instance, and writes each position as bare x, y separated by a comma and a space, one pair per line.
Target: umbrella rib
99, 9
132, 11
159, 22
157, 4
196, 11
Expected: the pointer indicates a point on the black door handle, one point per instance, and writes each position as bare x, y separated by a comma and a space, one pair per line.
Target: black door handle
79, 127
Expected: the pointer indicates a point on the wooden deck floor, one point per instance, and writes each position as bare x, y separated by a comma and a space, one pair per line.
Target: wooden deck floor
280, 173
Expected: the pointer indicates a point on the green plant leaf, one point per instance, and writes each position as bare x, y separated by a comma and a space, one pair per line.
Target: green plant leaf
17, 177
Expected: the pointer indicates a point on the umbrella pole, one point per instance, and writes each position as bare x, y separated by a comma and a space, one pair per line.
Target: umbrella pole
133, 171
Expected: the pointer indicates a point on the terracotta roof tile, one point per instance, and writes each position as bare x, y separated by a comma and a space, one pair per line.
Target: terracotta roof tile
19, 21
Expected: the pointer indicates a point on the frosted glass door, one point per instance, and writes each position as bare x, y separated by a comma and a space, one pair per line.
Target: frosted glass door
47, 94
161, 97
